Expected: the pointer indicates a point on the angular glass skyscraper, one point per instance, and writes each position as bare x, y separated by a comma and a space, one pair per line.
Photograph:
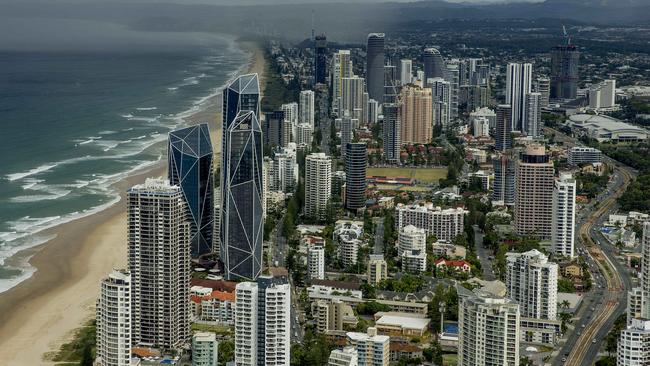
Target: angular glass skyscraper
189, 158
241, 181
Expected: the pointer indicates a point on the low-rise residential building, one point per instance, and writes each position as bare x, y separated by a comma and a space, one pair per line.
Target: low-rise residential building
377, 269
217, 307
372, 349
347, 356
399, 350
440, 249
205, 349
329, 288
414, 261
333, 315
454, 265
397, 324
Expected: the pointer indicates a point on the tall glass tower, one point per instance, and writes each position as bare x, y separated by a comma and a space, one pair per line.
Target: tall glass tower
320, 59
189, 158
375, 66
241, 181
433, 64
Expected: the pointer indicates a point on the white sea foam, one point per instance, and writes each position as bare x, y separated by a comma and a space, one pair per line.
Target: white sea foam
146, 108
29, 173
107, 132
27, 232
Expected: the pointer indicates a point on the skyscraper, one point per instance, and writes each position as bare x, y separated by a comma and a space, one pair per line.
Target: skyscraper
434, 65
113, 316
441, 99
274, 128
518, 84
356, 160
415, 105
406, 71
503, 138
452, 75
564, 72
488, 329
375, 65
531, 281
341, 68
242, 194
318, 185
306, 107
159, 262
543, 86
391, 84
190, 167
503, 189
241, 180
534, 193
352, 97
564, 212
320, 59
347, 133
291, 112
532, 122
391, 131
377, 268
263, 322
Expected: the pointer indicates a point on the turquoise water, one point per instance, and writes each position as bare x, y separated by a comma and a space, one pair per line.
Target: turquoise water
74, 122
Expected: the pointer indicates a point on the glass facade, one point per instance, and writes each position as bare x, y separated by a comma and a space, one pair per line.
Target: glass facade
190, 167
242, 221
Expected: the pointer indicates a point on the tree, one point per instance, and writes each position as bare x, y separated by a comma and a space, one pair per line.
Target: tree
87, 355
226, 351
433, 353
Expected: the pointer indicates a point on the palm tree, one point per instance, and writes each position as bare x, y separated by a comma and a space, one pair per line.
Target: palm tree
566, 304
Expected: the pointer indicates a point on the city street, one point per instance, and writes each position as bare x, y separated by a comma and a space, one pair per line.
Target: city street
607, 300
486, 263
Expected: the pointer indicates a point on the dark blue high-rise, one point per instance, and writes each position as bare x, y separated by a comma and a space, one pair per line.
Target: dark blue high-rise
190, 167
242, 222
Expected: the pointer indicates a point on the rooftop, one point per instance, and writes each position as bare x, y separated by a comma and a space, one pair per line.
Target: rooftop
404, 322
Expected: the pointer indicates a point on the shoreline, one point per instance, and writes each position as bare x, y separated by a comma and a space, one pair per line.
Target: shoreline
42, 312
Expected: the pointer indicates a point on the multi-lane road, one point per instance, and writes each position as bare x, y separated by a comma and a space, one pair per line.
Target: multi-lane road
611, 279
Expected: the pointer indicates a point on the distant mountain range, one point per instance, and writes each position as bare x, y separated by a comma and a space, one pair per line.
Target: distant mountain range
341, 20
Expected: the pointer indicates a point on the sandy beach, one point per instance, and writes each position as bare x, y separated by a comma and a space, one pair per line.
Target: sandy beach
41, 313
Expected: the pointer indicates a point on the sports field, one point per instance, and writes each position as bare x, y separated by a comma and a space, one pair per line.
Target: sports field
427, 175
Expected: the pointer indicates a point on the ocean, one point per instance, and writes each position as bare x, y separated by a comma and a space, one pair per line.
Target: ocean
76, 120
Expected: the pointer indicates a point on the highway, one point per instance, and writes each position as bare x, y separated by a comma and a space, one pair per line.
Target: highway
607, 301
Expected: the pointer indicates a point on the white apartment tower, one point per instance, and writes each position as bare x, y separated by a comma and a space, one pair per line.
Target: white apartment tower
634, 344
372, 349
564, 212
318, 184
531, 281
352, 98
159, 263
284, 173
114, 320
205, 349
411, 238
445, 224
406, 71
263, 322
518, 85
290, 112
306, 107
488, 329
347, 356
316, 263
